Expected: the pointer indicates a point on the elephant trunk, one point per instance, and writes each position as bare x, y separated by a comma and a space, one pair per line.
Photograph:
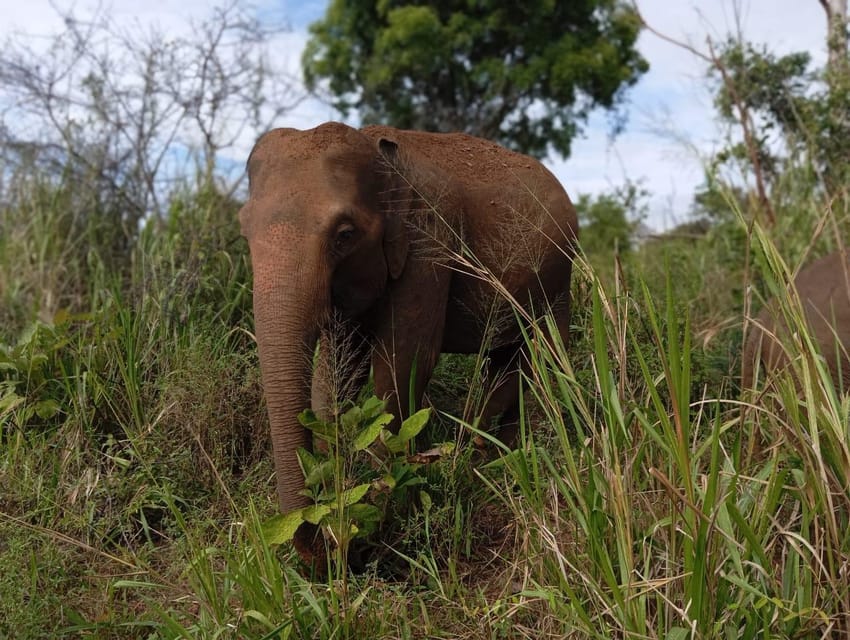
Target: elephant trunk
287, 312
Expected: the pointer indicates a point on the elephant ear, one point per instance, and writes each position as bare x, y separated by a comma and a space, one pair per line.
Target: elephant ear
396, 242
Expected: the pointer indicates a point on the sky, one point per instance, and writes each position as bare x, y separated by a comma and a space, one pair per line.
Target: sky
671, 127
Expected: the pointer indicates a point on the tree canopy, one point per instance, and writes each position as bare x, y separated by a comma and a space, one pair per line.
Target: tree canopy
789, 109
524, 74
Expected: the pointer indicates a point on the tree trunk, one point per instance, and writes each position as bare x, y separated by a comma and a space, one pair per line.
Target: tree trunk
836, 19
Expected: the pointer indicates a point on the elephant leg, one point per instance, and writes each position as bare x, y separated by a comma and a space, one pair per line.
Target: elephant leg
506, 366
502, 400
409, 337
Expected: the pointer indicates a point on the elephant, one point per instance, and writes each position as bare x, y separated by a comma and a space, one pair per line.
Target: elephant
824, 291
405, 242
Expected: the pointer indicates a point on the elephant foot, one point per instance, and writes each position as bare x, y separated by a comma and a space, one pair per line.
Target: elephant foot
309, 542
507, 433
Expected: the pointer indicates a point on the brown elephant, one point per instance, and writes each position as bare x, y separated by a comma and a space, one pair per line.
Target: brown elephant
824, 290
392, 235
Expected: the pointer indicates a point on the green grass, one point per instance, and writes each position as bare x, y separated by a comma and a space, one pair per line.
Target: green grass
649, 499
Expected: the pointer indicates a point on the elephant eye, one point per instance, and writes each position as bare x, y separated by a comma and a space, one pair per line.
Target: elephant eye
344, 233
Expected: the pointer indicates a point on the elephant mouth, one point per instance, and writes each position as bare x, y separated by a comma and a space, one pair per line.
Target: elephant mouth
349, 304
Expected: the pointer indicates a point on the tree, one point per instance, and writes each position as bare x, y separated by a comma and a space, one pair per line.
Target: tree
787, 108
129, 113
609, 220
524, 74
836, 21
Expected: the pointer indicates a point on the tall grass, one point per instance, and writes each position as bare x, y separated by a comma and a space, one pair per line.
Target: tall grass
648, 498
661, 514
128, 384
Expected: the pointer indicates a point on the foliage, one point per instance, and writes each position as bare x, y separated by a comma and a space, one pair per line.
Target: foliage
364, 471
638, 465
609, 221
648, 497
525, 74
797, 113
654, 491
772, 85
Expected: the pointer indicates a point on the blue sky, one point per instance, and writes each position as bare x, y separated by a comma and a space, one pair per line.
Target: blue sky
670, 129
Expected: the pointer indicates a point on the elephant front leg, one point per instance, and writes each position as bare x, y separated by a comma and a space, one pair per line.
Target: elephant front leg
409, 336
401, 375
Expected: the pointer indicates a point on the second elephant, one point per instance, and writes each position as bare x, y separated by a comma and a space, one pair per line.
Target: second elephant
824, 290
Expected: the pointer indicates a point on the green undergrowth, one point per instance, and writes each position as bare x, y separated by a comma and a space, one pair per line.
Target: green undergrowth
649, 496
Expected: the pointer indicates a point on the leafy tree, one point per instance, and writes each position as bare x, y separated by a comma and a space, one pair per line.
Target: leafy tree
770, 92
525, 74
787, 108
609, 220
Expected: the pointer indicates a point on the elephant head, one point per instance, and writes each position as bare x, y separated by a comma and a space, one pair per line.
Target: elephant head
824, 291
320, 240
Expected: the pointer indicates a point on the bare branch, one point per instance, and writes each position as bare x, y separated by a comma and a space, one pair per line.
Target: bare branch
682, 45
129, 110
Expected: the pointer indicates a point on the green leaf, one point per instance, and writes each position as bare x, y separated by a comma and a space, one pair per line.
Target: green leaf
368, 516
369, 434
392, 442
411, 427
363, 513
9, 401
678, 633
372, 406
410, 481
47, 408
307, 460
308, 418
508, 460
282, 527
314, 513
137, 584
325, 430
351, 417
354, 495
342, 531
320, 474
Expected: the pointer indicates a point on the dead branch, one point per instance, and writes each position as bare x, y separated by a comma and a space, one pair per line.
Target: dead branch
132, 111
